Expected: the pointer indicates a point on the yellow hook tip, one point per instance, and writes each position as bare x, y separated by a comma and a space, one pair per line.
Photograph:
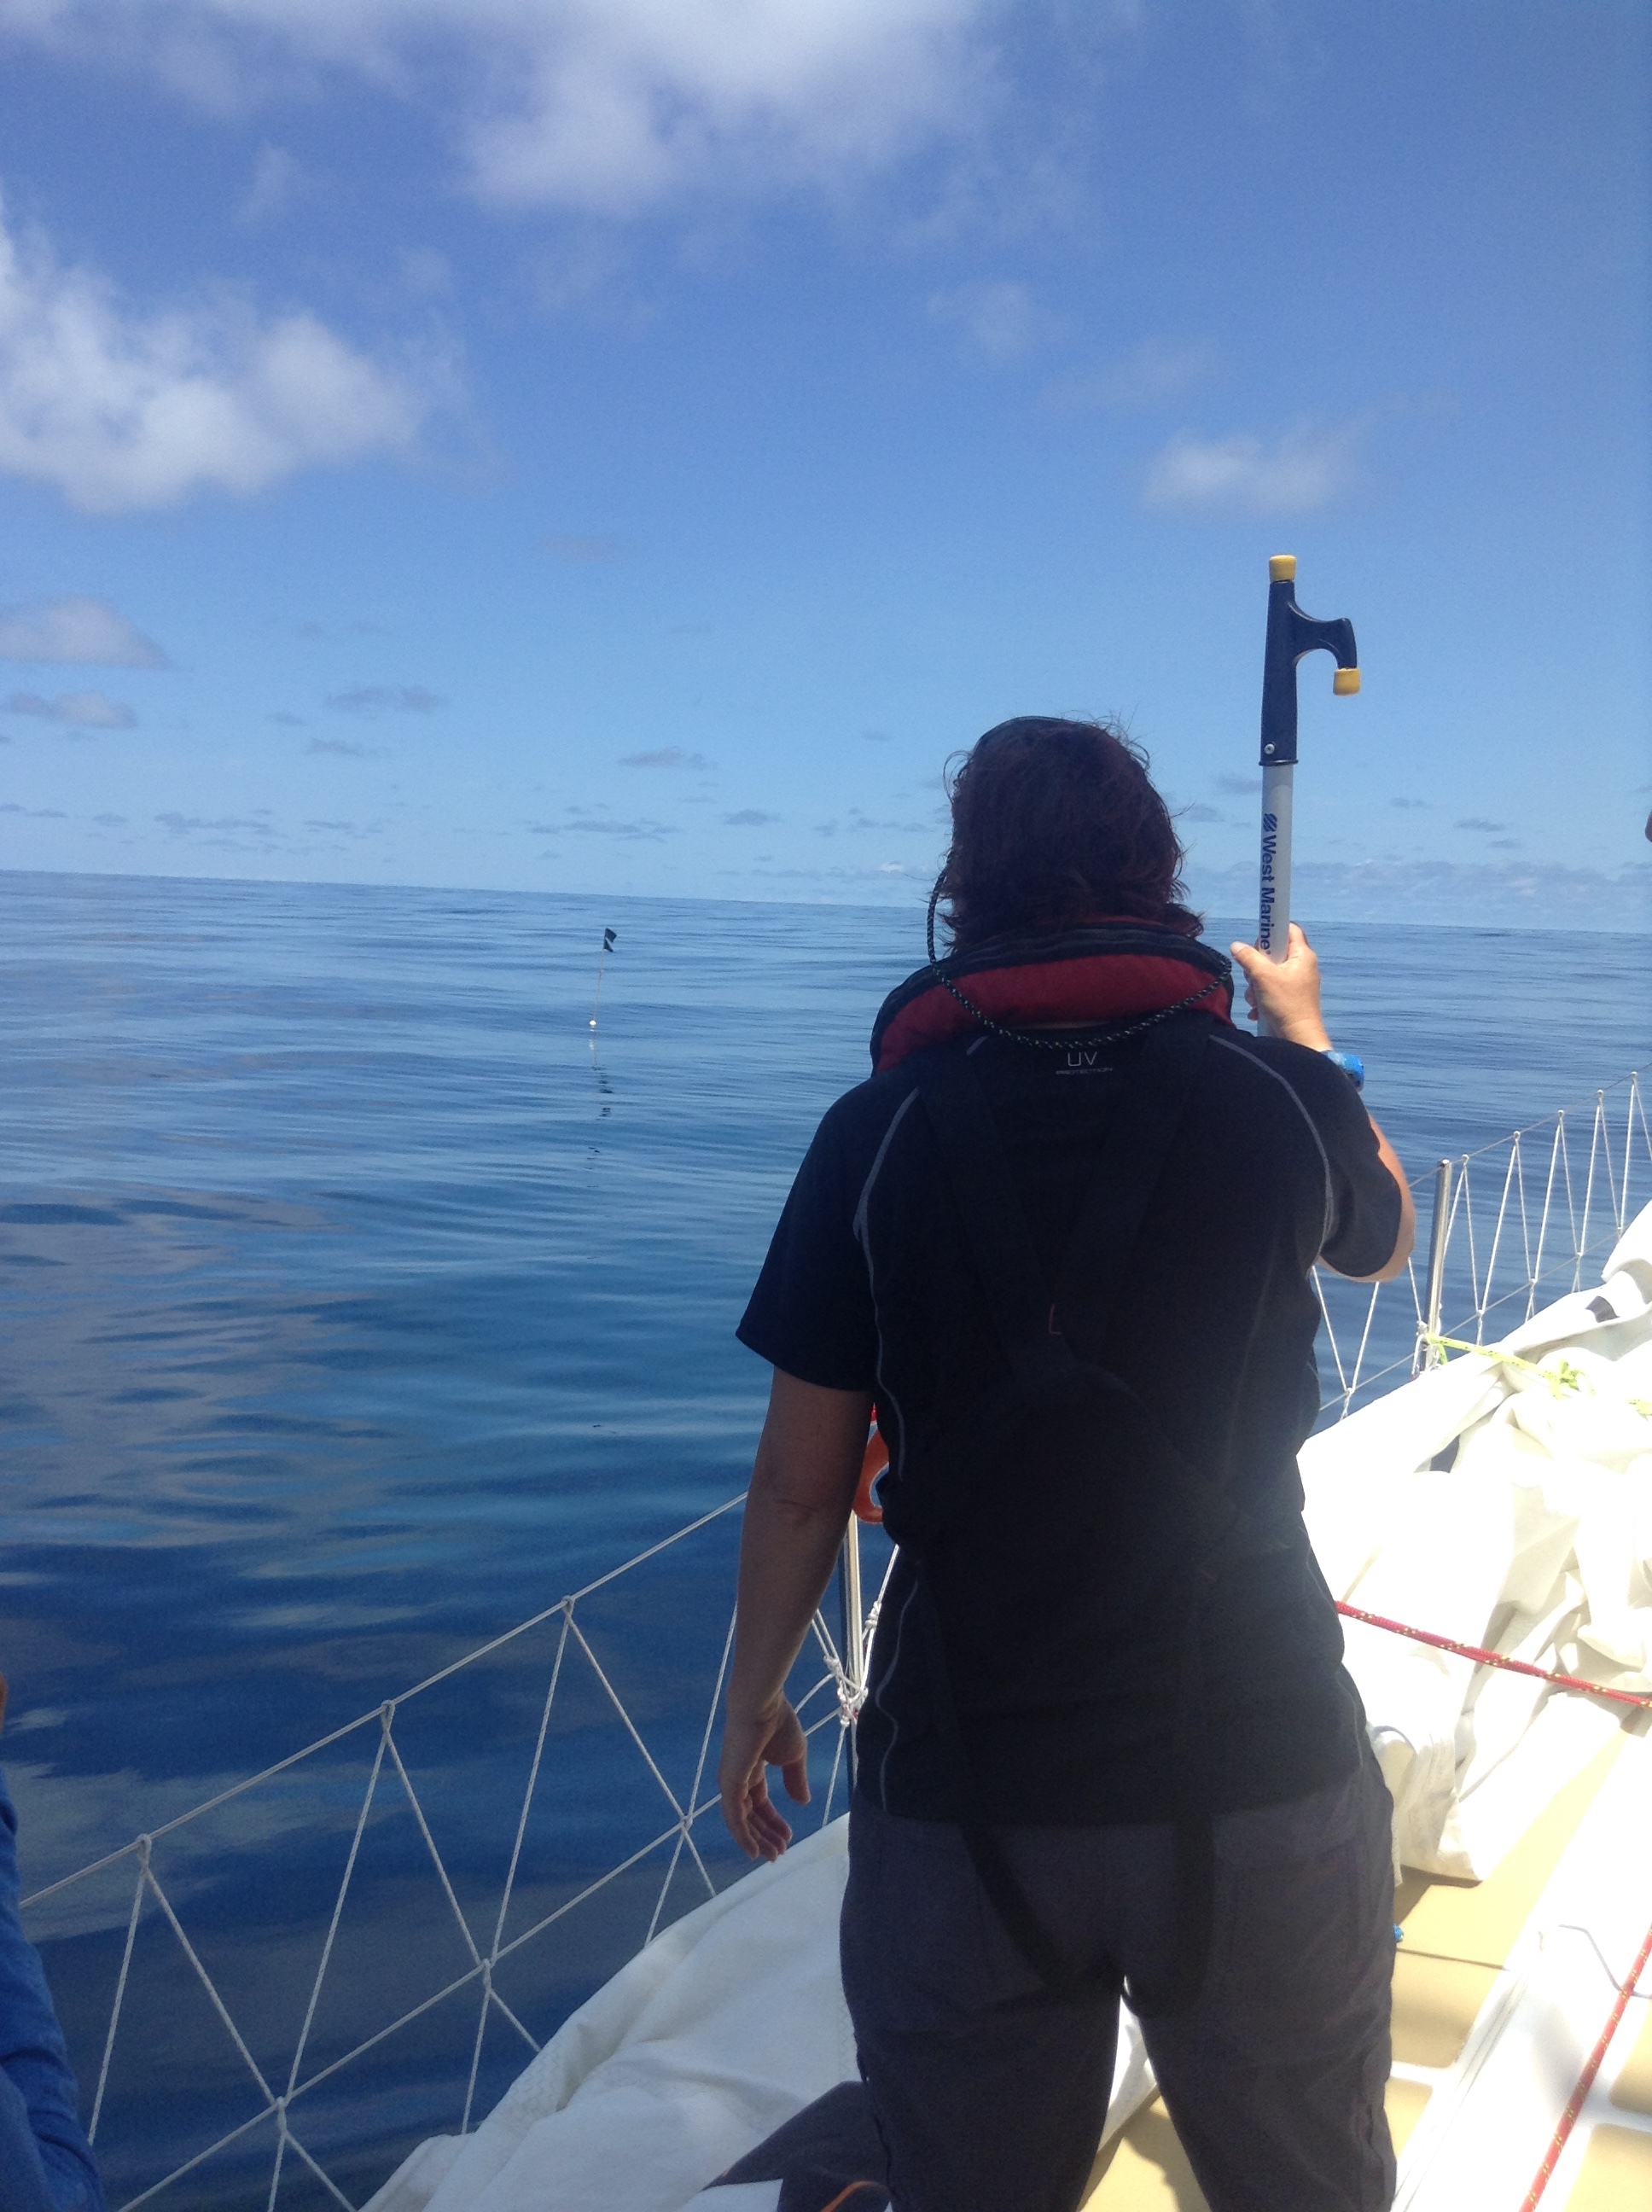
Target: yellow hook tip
1345, 683
1281, 568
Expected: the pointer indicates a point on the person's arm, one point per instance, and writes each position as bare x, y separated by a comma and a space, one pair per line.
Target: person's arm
802, 1489
46, 2162
1287, 992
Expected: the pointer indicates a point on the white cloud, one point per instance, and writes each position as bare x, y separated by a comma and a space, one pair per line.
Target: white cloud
1149, 375
1305, 468
1000, 321
81, 630
606, 105
78, 710
1476, 893
386, 699
121, 410
665, 756
346, 748
601, 825
623, 101
278, 185
182, 825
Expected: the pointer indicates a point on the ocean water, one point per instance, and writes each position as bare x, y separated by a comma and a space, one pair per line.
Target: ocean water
356, 1306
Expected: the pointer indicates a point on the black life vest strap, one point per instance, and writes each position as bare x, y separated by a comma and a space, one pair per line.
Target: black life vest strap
995, 1225
1146, 1119
1065, 1976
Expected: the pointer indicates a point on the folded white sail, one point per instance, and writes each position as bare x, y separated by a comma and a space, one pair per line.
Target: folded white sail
1535, 1542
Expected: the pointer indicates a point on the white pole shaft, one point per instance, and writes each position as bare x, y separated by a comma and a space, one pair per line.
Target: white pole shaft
1273, 920
854, 1627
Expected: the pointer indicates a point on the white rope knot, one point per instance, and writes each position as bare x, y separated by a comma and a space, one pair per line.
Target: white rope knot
849, 1700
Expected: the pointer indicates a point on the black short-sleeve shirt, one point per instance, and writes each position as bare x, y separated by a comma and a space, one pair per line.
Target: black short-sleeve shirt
868, 1286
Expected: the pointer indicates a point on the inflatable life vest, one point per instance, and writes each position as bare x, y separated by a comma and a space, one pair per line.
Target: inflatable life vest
1107, 971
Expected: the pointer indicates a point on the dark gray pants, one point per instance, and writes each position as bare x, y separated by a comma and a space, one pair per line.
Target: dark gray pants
990, 2091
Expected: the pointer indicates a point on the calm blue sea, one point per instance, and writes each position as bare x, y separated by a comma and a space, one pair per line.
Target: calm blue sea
355, 1306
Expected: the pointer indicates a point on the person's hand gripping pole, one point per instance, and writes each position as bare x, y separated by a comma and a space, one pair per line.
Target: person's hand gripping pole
1292, 634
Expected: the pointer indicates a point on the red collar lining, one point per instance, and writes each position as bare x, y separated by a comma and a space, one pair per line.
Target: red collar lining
1099, 986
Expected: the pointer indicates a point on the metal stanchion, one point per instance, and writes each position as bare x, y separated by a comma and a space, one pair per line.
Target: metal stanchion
853, 1616
1428, 1353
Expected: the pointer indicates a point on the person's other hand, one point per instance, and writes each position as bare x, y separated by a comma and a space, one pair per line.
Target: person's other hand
752, 1744
1286, 992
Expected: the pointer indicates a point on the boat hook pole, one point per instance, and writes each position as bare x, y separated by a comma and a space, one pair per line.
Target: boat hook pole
1292, 634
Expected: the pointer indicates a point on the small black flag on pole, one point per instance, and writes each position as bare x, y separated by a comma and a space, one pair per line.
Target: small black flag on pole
609, 940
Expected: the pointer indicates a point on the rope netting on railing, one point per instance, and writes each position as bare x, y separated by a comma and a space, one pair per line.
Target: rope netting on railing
296, 1980
1500, 1231
282, 2052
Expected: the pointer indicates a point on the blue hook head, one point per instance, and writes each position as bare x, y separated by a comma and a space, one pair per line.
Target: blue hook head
1291, 636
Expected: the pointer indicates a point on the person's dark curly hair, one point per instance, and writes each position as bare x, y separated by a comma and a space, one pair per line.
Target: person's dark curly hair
1055, 824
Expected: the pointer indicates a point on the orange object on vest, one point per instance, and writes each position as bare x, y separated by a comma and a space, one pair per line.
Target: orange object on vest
866, 1508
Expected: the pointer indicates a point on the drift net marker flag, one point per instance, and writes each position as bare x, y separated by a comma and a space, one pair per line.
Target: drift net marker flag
610, 938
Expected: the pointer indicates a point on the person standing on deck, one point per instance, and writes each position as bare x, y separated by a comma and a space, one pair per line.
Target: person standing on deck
1062, 1237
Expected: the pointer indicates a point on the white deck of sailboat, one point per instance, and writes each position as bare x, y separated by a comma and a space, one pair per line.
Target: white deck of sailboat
1502, 1986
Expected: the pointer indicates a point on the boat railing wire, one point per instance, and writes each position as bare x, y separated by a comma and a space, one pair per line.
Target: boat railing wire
309, 2103
258, 2154
1500, 1232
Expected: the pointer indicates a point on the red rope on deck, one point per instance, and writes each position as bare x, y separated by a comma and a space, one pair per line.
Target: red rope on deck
1478, 1652
1485, 1658
1586, 2079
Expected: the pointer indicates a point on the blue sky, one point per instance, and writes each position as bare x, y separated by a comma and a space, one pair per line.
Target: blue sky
628, 444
